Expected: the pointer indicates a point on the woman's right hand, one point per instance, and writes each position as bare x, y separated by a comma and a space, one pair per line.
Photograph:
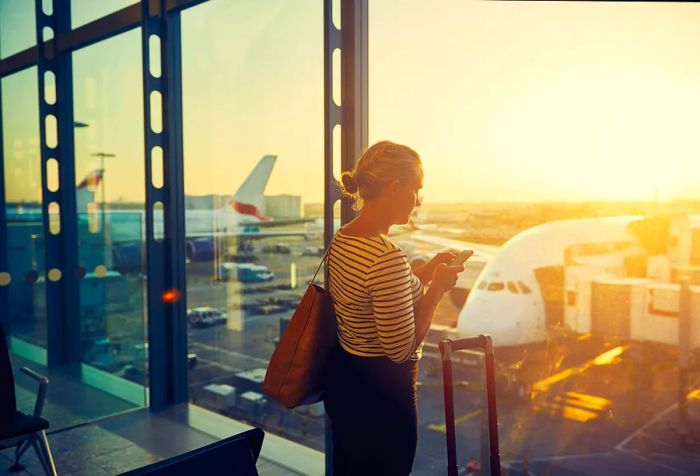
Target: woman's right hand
445, 276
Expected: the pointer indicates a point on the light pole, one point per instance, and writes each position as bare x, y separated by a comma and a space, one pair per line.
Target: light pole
102, 156
105, 232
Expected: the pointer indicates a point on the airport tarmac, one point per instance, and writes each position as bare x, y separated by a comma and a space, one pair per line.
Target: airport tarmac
591, 407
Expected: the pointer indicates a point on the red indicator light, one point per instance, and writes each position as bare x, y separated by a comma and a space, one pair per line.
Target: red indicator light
171, 295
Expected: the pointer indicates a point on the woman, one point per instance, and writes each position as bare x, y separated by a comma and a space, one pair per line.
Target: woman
384, 310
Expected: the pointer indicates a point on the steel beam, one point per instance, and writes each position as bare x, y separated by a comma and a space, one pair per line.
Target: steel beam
165, 240
4, 264
61, 248
106, 27
354, 87
351, 116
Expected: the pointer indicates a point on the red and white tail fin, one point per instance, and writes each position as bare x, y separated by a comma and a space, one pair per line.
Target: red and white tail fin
248, 199
85, 190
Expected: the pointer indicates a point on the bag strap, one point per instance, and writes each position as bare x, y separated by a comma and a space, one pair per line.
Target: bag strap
325, 256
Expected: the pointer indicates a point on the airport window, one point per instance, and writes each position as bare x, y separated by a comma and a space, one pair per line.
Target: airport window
514, 132
17, 26
253, 111
85, 11
524, 288
110, 183
25, 229
540, 132
496, 286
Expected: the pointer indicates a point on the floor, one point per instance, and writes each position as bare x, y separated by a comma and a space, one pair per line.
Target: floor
124, 442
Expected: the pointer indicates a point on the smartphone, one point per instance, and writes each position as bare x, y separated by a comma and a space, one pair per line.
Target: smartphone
461, 257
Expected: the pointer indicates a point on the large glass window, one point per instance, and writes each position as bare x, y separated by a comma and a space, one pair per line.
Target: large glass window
110, 196
25, 230
533, 122
17, 26
253, 141
85, 11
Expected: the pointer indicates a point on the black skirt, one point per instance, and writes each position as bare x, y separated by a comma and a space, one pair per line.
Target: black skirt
371, 403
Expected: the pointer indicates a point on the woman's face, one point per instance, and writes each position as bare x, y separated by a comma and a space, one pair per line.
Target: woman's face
403, 198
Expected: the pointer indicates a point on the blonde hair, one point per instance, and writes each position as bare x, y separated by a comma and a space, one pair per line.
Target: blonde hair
380, 164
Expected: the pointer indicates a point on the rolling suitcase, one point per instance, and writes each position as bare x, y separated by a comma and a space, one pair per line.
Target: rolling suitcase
448, 346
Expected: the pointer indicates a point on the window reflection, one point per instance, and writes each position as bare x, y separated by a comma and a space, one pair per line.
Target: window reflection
253, 143
85, 11
110, 171
17, 26
25, 229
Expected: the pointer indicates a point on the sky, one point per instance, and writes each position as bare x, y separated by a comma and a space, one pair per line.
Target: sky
504, 101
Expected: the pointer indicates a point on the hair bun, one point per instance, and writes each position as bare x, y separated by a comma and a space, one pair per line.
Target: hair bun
349, 182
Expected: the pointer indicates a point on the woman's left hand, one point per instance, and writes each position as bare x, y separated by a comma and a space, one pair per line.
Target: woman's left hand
425, 272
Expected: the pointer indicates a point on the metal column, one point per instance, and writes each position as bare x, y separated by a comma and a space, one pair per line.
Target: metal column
165, 242
4, 265
58, 206
354, 87
350, 115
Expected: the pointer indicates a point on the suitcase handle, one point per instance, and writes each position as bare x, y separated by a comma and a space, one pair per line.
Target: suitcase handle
483, 343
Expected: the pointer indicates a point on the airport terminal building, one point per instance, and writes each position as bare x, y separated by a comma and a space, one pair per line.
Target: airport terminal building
167, 190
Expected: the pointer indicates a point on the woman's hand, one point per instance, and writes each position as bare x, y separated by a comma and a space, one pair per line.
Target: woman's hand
445, 277
425, 272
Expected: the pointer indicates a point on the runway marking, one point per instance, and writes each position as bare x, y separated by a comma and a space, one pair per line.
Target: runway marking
656, 463
620, 446
641, 431
443, 428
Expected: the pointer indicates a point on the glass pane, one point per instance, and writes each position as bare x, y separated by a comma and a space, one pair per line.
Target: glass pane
252, 112
85, 11
544, 118
25, 230
17, 26
110, 171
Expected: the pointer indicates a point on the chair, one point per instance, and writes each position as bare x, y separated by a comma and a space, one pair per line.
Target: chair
17, 429
235, 456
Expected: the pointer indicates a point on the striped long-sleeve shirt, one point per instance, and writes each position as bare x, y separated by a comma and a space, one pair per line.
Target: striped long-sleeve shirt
374, 292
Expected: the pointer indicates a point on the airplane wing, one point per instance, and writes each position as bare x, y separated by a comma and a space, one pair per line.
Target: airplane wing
480, 250
275, 223
252, 233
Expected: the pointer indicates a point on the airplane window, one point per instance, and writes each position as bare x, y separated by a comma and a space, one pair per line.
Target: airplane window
513, 288
483, 285
496, 286
524, 288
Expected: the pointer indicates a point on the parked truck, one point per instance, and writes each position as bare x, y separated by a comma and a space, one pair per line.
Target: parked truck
244, 272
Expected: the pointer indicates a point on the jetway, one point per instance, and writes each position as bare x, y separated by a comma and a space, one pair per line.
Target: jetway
638, 309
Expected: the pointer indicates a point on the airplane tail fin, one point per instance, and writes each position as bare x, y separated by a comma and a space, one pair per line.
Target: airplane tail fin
248, 199
85, 190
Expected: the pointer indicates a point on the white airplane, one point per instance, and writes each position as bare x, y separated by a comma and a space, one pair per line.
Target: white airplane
240, 216
507, 300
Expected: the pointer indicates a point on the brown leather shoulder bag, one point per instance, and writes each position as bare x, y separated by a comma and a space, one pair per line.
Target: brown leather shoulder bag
295, 373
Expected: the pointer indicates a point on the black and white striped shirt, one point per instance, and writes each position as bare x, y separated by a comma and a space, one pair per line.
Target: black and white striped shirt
374, 292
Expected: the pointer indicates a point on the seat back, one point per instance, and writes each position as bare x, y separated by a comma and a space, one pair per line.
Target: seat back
235, 455
8, 403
